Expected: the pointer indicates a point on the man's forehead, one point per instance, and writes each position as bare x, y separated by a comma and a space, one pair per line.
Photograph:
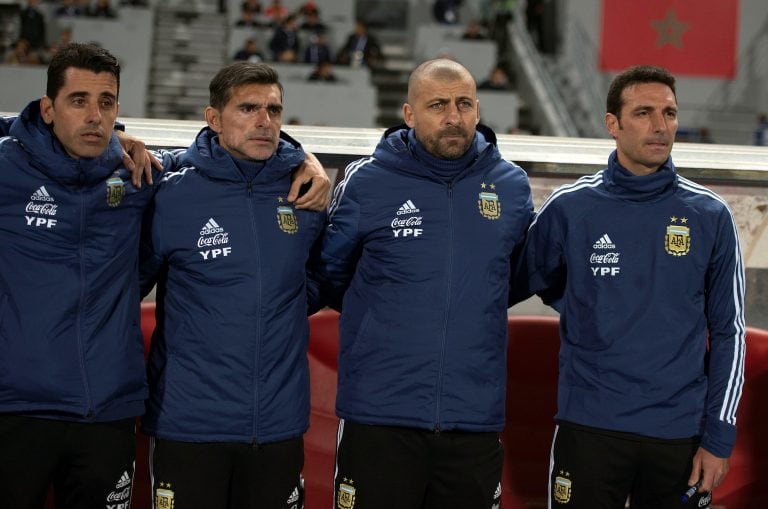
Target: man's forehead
442, 88
267, 91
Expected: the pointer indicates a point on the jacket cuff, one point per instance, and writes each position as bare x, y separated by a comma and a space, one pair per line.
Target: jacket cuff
719, 438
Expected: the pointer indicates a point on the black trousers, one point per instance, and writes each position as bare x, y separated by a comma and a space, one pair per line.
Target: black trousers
227, 475
386, 467
89, 464
599, 469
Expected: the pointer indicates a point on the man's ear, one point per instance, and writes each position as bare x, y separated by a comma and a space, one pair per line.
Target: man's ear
46, 109
612, 124
408, 115
213, 118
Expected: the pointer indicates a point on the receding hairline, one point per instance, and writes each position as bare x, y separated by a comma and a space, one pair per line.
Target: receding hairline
438, 69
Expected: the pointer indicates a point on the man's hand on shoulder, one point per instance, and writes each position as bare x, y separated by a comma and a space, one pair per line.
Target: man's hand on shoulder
311, 177
137, 158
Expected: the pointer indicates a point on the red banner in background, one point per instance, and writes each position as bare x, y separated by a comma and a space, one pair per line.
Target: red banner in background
688, 37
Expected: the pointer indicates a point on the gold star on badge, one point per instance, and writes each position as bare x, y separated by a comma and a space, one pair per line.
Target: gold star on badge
493, 186
683, 220
670, 30
482, 185
673, 219
279, 199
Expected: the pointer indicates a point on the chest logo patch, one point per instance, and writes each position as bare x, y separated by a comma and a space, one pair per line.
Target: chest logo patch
286, 219
677, 240
488, 202
115, 190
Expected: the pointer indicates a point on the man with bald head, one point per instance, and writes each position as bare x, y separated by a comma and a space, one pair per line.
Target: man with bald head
417, 257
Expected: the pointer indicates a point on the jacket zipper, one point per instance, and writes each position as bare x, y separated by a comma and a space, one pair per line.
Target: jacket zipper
81, 306
439, 387
256, 353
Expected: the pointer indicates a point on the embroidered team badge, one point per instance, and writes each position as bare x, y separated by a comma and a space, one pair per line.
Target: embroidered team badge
488, 203
345, 497
561, 489
677, 241
164, 497
115, 190
287, 220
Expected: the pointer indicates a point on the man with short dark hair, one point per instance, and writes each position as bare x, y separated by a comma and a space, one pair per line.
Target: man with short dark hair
228, 370
71, 359
645, 269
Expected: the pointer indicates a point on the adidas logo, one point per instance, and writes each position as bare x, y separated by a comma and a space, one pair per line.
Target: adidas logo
497, 493
604, 242
41, 195
211, 227
124, 481
407, 208
294, 497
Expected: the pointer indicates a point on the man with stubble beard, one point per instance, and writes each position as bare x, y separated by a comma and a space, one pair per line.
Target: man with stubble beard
417, 258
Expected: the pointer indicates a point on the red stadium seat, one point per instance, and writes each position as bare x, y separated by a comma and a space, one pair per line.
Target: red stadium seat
320, 440
534, 342
531, 404
745, 486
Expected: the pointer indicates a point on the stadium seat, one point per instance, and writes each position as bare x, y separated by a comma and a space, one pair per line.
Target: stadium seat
745, 484
534, 342
320, 440
531, 402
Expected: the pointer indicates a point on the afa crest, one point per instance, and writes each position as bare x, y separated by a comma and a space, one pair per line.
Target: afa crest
345, 497
561, 490
163, 499
287, 220
677, 241
115, 190
489, 205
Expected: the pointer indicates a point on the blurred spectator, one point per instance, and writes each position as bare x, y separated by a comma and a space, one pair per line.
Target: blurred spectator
323, 72
705, 136
308, 7
294, 121
474, 31
135, 3
252, 6
534, 21
32, 24
22, 53
101, 9
312, 22
361, 48
285, 41
497, 80
69, 8
496, 16
250, 52
65, 37
248, 19
318, 50
276, 12
761, 131
446, 11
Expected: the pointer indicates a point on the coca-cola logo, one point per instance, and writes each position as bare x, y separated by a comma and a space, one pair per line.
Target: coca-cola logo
402, 223
215, 240
119, 496
604, 258
48, 209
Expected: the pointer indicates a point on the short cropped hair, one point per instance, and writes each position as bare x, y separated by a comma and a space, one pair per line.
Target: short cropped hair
238, 74
632, 76
88, 56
